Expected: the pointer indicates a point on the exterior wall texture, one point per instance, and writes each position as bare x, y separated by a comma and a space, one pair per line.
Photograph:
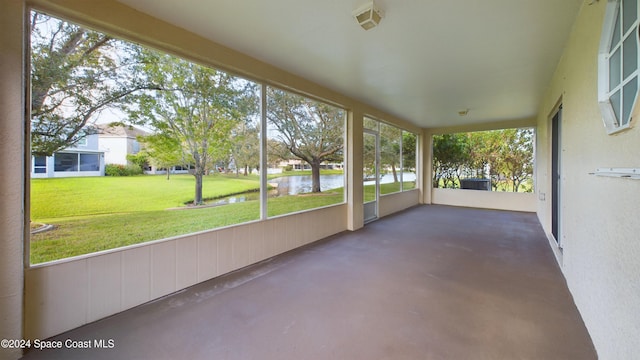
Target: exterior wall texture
497, 200
115, 150
12, 173
599, 215
392, 203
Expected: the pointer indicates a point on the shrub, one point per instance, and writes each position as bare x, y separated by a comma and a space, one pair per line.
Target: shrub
140, 159
122, 170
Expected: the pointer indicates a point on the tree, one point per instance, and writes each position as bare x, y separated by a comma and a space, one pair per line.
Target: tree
245, 149
450, 154
162, 151
196, 106
75, 74
485, 155
312, 131
408, 151
369, 157
500, 154
390, 148
277, 152
517, 155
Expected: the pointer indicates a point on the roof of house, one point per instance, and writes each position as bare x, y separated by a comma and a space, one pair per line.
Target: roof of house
113, 130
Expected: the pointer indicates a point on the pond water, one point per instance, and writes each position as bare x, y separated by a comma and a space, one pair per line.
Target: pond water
286, 185
388, 178
292, 185
250, 196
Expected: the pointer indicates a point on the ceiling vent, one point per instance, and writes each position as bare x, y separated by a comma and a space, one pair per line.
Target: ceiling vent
368, 15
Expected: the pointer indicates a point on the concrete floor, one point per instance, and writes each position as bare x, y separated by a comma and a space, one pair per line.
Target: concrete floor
432, 282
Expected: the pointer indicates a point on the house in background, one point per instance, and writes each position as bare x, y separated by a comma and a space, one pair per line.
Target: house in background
110, 145
118, 141
299, 165
83, 159
176, 169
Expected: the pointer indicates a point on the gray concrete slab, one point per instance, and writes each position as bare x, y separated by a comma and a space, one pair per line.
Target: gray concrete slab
432, 282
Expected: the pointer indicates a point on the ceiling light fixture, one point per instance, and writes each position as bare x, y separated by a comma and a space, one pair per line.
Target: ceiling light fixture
368, 15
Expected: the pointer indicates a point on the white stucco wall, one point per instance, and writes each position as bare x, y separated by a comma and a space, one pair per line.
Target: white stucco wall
392, 203
600, 225
115, 150
496, 200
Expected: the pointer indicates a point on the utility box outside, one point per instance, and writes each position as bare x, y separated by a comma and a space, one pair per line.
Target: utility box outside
476, 184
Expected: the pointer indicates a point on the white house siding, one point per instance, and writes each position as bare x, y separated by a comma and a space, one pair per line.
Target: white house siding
600, 226
119, 141
115, 150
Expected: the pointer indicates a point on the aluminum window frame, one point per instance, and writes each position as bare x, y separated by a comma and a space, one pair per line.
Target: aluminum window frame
607, 94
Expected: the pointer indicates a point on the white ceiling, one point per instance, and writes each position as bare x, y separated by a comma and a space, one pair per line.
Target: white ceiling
427, 60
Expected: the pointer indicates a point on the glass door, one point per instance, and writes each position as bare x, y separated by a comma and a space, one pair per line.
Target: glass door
556, 177
371, 173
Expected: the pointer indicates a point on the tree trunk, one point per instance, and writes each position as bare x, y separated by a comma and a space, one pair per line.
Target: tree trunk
197, 200
395, 173
516, 185
315, 178
168, 173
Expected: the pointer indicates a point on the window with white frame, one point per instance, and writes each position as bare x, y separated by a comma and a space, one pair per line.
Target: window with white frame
618, 64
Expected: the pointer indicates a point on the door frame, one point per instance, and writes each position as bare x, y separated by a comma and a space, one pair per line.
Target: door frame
374, 204
556, 175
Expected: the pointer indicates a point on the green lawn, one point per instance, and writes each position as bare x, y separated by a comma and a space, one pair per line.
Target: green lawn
388, 188
76, 197
99, 213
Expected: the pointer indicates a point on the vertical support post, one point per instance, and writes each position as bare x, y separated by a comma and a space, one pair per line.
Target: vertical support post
425, 151
12, 172
263, 152
355, 199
